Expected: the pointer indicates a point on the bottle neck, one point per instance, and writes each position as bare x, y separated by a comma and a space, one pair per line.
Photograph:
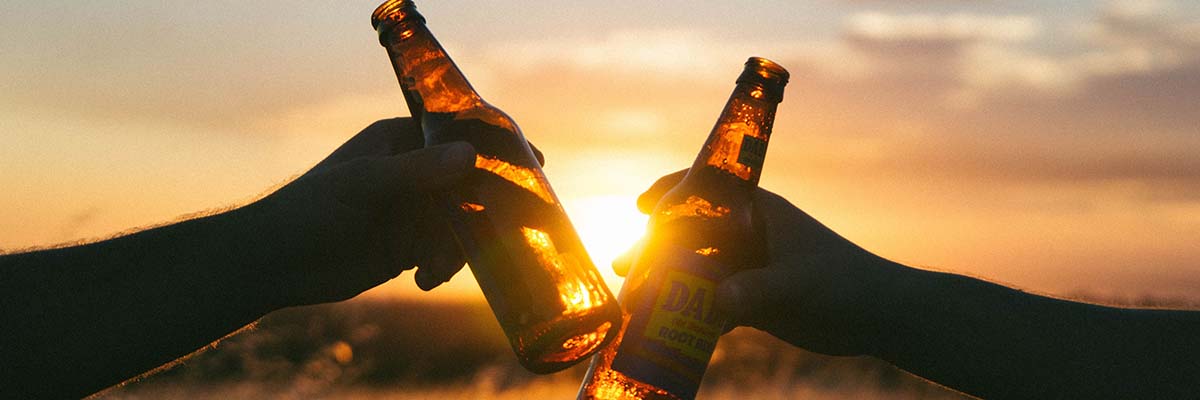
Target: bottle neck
738, 142
432, 83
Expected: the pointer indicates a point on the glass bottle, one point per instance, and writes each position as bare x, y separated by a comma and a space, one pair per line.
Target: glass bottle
700, 232
529, 262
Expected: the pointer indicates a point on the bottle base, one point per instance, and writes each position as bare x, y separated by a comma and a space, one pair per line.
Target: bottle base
560, 343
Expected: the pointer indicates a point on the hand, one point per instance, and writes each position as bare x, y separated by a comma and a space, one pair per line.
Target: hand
818, 290
362, 216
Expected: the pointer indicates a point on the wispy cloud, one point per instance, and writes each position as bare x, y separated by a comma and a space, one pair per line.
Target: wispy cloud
985, 55
662, 54
957, 27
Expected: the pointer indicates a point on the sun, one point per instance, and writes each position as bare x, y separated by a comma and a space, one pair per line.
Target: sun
608, 226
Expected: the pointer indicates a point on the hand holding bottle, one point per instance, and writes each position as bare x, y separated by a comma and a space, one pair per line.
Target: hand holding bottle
821, 292
322, 230
818, 290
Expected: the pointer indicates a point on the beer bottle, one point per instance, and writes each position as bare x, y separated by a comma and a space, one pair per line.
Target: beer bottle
529, 262
700, 232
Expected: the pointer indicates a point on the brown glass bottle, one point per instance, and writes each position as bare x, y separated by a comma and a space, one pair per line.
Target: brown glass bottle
533, 270
701, 232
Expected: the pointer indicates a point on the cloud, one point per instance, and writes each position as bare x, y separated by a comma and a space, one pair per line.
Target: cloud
1139, 38
987, 55
1007, 99
958, 27
1144, 24
959, 56
670, 54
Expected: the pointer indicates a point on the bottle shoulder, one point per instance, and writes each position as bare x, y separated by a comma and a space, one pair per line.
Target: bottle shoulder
490, 115
482, 117
492, 132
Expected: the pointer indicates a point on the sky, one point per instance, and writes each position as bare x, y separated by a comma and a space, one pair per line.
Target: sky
1050, 146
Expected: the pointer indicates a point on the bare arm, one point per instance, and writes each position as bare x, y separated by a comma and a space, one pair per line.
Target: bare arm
78, 319
995, 342
822, 292
83, 318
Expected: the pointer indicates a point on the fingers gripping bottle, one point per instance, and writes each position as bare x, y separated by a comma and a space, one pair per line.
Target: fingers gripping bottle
701, 232
544, 290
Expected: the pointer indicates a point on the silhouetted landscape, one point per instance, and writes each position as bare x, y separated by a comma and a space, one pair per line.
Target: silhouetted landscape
409, 349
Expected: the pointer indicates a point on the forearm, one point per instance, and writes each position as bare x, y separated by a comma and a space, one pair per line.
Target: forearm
82, 318
996, 342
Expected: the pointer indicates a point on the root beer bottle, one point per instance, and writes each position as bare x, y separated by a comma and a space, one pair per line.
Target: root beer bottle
701, 231
544, 290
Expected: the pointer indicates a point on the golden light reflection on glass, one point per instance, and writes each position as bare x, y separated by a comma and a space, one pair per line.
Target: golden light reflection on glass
613, 385
580, 345
693, 206
527, 178
576, 294
586, 338
471, 207
443, 91
726, 148
708, 251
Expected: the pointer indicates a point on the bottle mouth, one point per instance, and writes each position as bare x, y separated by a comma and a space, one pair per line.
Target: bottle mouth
395, 11
766, 73
768, 69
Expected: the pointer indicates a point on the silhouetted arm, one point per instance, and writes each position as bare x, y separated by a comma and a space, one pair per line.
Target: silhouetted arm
822, 292
995, 342
78, 319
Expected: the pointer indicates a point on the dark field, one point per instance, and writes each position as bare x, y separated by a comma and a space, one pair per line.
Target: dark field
407, 349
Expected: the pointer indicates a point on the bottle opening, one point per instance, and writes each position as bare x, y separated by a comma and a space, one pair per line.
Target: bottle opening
394, 11
768, 74
768, 69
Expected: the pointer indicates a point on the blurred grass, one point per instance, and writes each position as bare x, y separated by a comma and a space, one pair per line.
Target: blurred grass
406, 349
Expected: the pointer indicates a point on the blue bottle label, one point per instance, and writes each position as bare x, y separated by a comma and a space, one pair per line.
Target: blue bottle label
673, 329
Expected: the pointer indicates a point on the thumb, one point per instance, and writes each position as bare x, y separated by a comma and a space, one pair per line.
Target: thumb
380, 180
424, 169
746, 297
649, 199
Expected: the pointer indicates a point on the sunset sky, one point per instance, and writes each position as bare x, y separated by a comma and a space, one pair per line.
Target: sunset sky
1054, 146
